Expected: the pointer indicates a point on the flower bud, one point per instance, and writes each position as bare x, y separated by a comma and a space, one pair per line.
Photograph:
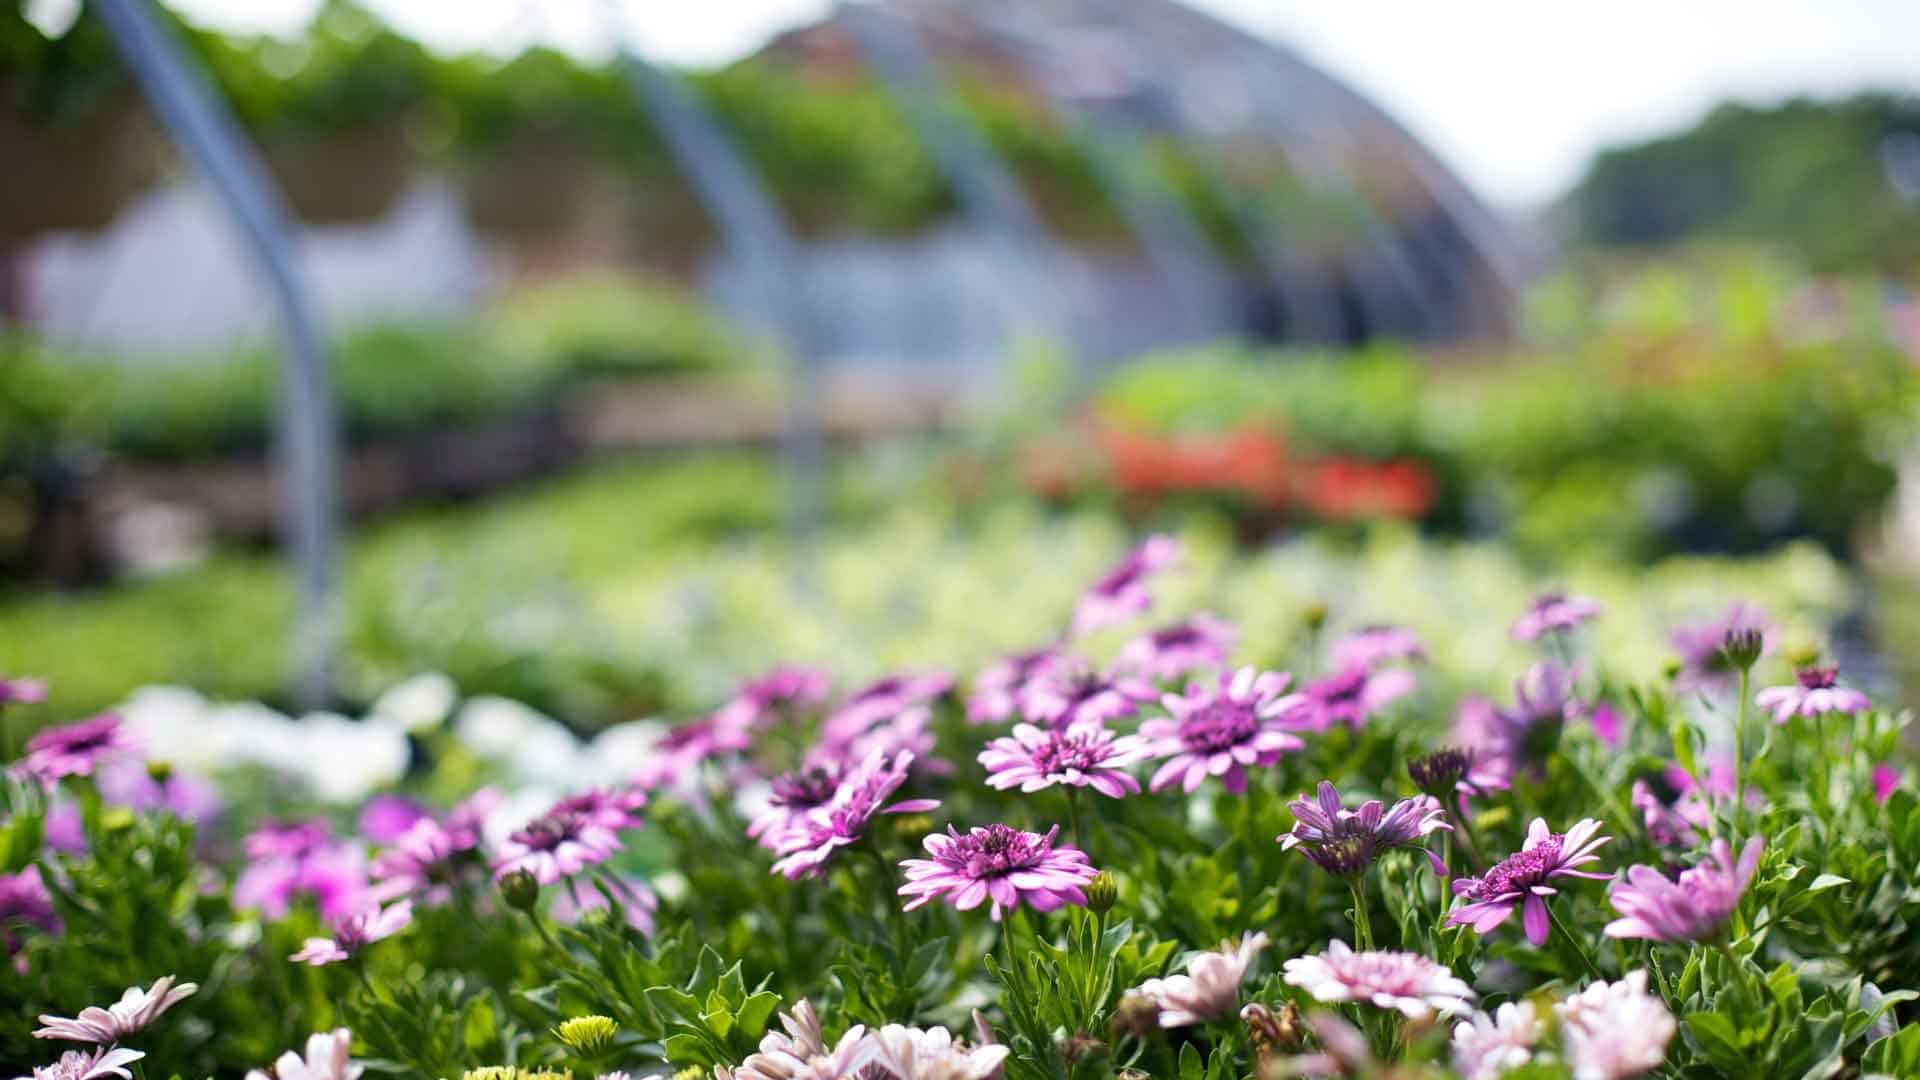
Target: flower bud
1137, 1014
1102, 893
520, 889
1078, 1047
1314, 616
1742, 648
1436, 774
587, 1034
160, 771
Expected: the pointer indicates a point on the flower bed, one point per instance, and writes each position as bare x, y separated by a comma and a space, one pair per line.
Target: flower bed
1058, 867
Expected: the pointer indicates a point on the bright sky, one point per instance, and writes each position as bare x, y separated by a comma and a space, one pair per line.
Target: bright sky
1515, 94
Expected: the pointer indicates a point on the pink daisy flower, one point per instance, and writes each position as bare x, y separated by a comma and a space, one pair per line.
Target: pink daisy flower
780, 692
422, 862
861, 794
555, 845
1405, 982
1209, 989
1069, 691
136, 1009
685, 748
1616, 1030
1554, 612
1521, 880
1695, 907
1376, 645
1221, 730
75, 749
882, 701
794, 796
1345, 842
1348, 697
997, 863
355, 932
22, 691
1121, 593
996, 691
1084, 755
1486, 1047
1886, 781
611, 808
1814, 694
89, 1065
1193, 644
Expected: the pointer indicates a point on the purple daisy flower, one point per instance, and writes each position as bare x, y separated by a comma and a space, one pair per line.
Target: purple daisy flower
911, 730
22, 691
882, 701
75, 749
420, 863
556, 845
1193, 644
1552, 613
1220, 730
1886, 781
1506, 740
25, 902
355, 932
862, 793
292, 859
1406, 982
1347, 697
996, 691
1086, 754
997, 863
1521, 879
1814, 694
1695, 907
1121, 593
1070, 692
1345, 842
794, 796
466, 822
782, 691
609, 808
684, 749
386, 818
1373, 646
1702, 647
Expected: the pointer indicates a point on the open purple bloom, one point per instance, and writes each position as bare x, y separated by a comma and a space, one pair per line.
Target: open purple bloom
1121, 593
862, 794
794, 796
1695, 907
136, 1009
420, 862
1702, 647
1171, 652
1222, 729
355, 932
22, 691
386, 818
75, 749
1085, 754
1815, 693
780, 692
1069, 692
1554, 612
685, 748
466, 822
1345, 842
1376, 645
288, 860
555, 845
1347, 697
997, 863
996, 691
609, 808
24, 902
910, 730
1405, 982
1506, 740
880, 702
1521, 879
1209, 989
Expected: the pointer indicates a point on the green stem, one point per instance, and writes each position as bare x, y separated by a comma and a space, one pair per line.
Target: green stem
1073, 815
1579, 947
1740, 756
1362, 926
540, 927
1622, 820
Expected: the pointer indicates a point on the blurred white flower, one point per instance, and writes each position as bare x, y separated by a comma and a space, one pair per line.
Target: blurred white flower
421, 703
344, 761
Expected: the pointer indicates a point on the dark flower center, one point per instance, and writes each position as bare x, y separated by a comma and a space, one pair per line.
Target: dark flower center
1817, 678
999, 849
1219, 725
1342, 689
1519, 872
547, 833
803, 790
1179, 636
1062, 752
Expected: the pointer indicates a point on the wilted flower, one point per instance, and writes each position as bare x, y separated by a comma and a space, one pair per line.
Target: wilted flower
997, 863
996, 690
131, 1014
1375, 645
556, 845
1347, 697
74, 750
1612, 1031
1195, 643
1814, 694
1702, 647
1693, 908
1085, 754
1209, 990
934, 1054
1068, 692
355, 932
1222, 729
1403, 981
22, 691
88, 1065
1484, 1047
862, 793
327, 1058
1521, 879
1121, 593
1344, 842
1552, 612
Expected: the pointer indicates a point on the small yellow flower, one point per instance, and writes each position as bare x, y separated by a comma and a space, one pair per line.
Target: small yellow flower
587, 1034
